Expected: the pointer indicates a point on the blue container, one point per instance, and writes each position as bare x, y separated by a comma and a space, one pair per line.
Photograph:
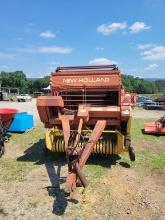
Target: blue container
21, 122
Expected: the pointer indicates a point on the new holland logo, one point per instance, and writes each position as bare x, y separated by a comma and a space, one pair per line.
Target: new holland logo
86, 80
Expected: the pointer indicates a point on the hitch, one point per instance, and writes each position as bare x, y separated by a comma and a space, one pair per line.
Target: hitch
77, 155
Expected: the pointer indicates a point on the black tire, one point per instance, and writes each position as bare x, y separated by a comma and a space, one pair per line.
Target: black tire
131, 152
2, 150
46, 151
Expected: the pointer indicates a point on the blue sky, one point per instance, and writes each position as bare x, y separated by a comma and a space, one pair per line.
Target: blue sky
38, 35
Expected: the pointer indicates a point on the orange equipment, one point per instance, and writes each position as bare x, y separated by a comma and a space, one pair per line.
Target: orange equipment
157, 127
88, 112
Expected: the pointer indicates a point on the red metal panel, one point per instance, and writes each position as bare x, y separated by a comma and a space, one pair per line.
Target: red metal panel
50, 101
87, 79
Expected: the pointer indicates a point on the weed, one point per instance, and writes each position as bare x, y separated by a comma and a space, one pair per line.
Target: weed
33, 204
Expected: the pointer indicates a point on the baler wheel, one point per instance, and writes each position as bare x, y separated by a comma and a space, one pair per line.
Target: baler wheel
2, 149
131, 152
46, 151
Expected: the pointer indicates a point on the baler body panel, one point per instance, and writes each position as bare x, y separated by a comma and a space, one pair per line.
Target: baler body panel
88, 112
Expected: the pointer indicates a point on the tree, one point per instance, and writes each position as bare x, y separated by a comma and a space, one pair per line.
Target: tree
15, 79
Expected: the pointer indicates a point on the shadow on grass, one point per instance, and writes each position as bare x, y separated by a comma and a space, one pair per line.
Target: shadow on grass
53, 163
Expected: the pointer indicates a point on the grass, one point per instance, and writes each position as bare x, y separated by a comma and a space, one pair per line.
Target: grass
33, 204
146, 159
137, 134
31, 143
12, 170
28, 138
16, 169
95, 171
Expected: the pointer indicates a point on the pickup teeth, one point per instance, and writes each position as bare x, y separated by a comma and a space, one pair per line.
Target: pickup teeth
105, 146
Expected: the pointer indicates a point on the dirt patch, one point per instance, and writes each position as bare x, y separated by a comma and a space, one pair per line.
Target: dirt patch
150, 145
145, 114
123, 193
29, 107
12, 151
135, 196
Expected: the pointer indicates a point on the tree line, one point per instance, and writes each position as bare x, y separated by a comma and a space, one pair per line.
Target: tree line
142, 86
132, 84
19, 80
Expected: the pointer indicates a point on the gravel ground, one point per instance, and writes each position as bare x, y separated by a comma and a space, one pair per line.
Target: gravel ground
30, 107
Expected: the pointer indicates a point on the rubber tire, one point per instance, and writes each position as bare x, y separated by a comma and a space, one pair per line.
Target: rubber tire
2, 150
131, 152
46, 151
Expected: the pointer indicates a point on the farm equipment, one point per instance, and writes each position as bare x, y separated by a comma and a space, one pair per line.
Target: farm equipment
6, 116
157, 127
87, 112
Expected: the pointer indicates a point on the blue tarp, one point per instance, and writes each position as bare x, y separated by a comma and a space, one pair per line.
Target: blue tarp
21, 122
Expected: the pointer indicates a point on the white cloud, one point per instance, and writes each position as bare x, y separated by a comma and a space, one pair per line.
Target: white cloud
156, 53
151, 67
46, 50
6, 56
101, 61
55, 49
145, 46
99, 48
138, 26
107, 29
47, 34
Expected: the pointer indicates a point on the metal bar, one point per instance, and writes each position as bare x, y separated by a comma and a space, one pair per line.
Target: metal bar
66, 131
88, 94
91, 100
112, 67
95, 135
79, 131
100, 90
81, 175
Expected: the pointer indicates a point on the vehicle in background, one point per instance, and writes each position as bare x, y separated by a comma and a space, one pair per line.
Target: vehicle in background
37, 94
154, 106
143, 100
24, 98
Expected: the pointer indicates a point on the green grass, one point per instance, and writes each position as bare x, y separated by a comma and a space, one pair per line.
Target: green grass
137, 134
28, 138
31, 144
95, 171
146, 159
33, 204
12, 170
16, 169
151, 159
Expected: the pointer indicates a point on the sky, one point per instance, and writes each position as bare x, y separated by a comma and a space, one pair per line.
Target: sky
36, 36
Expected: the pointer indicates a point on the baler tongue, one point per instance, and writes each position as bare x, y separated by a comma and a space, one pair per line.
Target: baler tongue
78, 155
